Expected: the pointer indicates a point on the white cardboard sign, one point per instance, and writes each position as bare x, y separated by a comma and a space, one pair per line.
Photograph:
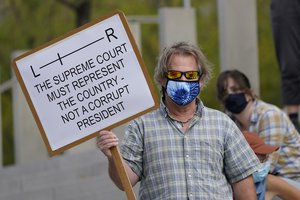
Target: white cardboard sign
90, 79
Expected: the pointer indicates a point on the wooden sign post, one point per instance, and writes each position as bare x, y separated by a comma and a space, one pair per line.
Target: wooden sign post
90, 79
122, 173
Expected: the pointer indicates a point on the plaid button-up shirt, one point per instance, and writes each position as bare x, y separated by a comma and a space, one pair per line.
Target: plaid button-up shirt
200, 163
275, 128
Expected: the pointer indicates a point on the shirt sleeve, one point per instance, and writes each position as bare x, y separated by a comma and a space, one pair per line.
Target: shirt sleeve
272, 126
132, 148
240, 160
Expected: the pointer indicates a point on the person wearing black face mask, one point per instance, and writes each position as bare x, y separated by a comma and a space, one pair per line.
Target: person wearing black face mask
271, 124
235, 103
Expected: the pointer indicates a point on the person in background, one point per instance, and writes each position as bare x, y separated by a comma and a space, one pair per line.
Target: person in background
184, 150
268, 186
285, 18
268, 121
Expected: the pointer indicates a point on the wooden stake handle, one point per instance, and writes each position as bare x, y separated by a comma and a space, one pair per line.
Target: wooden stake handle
122, 173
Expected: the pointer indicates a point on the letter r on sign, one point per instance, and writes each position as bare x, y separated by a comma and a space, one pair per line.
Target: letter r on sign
110, 33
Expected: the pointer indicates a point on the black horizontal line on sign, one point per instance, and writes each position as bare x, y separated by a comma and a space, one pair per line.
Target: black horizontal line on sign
61, 57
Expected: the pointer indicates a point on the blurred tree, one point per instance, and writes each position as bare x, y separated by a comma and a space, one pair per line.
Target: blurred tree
82, 9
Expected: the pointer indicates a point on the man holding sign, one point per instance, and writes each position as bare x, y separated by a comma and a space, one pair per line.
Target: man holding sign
184, 150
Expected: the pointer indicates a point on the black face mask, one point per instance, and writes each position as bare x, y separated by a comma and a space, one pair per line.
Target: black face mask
235, 103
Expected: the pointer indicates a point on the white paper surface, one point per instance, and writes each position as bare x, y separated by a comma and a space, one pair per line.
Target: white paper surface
85, 82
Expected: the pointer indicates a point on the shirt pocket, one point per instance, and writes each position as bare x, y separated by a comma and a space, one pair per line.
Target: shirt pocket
207, 159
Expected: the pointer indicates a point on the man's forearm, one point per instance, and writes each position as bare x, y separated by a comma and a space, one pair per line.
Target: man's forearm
244, 189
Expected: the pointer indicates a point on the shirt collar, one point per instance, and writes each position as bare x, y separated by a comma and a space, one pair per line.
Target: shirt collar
199, 111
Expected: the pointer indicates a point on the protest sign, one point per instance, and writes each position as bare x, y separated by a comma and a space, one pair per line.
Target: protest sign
90, 79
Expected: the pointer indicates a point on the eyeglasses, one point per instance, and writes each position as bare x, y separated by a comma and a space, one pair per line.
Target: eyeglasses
190, 75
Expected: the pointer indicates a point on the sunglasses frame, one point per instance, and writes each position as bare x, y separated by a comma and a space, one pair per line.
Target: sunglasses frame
183, 73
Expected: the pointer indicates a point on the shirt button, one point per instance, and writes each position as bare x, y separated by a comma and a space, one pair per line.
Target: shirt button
187, 156
191, 194
190, 175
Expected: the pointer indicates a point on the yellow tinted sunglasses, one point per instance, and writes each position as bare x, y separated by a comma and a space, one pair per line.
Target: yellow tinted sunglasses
190, 75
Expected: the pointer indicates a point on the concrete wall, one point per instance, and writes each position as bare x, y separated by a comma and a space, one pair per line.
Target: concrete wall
69, 177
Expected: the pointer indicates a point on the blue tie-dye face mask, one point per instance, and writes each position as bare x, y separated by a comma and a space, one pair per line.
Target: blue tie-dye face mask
183, 92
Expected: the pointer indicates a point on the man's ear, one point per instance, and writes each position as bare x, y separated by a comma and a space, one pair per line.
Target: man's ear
163, 83
201, 83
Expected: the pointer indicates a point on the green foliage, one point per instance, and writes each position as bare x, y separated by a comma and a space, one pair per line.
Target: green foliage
31, 23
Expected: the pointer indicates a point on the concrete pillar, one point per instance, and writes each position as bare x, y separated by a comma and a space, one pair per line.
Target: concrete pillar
135, 23
29, 145
177, 24
238, 38
136, 32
